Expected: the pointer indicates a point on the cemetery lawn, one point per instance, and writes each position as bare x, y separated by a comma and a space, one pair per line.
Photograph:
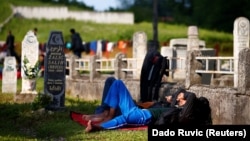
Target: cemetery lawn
21, 122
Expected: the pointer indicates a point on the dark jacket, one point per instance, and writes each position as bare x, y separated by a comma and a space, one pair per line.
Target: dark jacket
10, 42
185, 115
76, 42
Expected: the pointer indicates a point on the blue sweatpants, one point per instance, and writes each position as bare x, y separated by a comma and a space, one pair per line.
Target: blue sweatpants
118, 96
109, 81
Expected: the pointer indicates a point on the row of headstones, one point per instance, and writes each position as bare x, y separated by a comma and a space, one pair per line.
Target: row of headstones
31, 52
241, 36
54, 76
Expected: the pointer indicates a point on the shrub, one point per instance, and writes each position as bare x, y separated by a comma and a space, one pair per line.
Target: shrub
41, 101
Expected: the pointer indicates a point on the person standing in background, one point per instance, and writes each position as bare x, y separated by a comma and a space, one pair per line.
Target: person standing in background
10, 43
76, 43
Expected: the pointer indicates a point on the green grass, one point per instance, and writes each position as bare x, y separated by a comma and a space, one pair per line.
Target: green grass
19, 122
112, 32
5, 11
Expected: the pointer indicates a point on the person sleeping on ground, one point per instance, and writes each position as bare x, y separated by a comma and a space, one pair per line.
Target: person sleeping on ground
118, 97
182, 107
103, 109
149, 104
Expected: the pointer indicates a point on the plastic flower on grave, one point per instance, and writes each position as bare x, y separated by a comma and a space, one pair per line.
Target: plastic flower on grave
30, 71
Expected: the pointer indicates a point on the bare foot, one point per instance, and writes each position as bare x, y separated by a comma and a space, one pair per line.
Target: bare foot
94, 118
89, 127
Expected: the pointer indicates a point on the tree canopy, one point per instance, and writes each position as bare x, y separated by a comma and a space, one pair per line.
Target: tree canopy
211, 14
215, 14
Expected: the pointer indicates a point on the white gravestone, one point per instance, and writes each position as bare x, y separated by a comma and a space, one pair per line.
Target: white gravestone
30, 49
139, 51
193, 39
9, 81
241, 41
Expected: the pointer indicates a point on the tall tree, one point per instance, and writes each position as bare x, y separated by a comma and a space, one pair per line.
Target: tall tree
219, 14
125, 4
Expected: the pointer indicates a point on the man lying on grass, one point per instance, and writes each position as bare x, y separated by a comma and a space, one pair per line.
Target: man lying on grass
118, 97
119, 110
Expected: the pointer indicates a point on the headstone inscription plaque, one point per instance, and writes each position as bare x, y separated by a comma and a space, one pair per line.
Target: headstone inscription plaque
54, 76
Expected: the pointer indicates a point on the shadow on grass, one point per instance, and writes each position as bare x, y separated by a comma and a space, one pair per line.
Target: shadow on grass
18, 121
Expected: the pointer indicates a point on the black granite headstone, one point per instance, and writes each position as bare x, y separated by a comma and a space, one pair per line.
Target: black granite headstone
54, 76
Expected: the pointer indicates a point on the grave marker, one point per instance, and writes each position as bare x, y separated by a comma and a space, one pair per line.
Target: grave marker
139, 51
54, 76
193, 39
9, 80
241, 41
30, 50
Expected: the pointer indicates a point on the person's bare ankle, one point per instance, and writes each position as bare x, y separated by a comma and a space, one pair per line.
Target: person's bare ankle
89, 127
